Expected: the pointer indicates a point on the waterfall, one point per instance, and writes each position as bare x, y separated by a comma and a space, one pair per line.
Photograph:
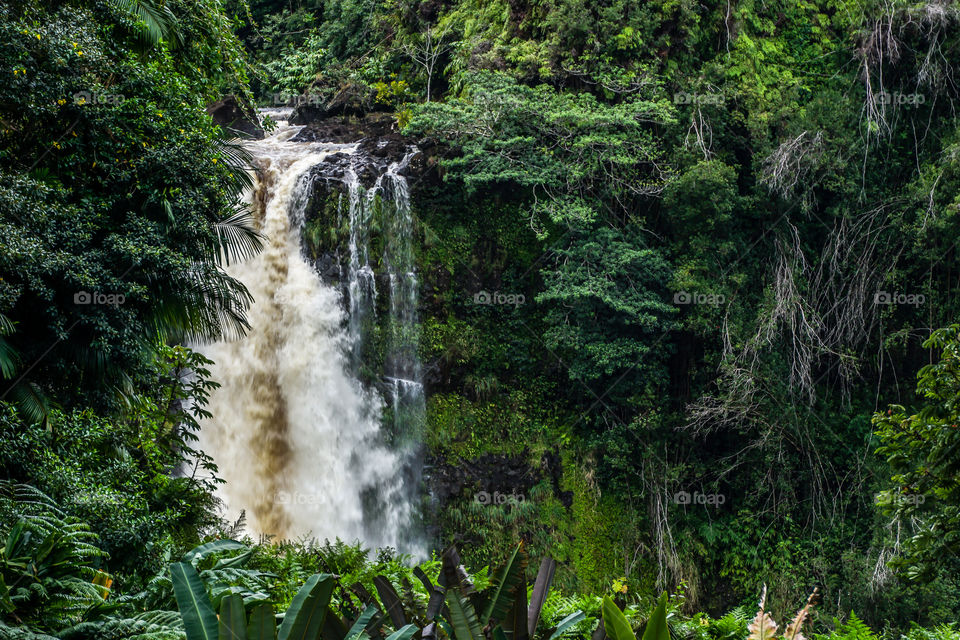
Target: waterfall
294, 434
388, 201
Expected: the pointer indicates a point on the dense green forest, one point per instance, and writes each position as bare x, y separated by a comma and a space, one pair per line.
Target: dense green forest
687, 315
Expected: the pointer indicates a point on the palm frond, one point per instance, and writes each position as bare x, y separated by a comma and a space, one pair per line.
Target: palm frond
9, 356
151, 625
210, 305
237, 159
32, 403
237, 239
157, 22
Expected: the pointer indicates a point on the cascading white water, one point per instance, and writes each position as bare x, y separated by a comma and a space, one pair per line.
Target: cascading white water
294, 434
361, 283
389, 200
403, 364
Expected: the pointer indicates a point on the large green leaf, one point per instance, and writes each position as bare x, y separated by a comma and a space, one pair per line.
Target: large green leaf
437, 595
548, 567
509, 579
235, 561
452, 572
391, 601
363, 621
657, 624
233, 619
333, 627
197, 554
614, 622
403, 633
199, 620
463, 617
570, 621
304, 619
263, 624
515, 623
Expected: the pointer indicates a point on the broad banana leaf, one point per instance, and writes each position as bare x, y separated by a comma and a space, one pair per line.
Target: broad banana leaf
404, 633
657, 624
548, 566
463, 617
515, 623
391, 601
199, 620
304, 619
233, 618
263, 624
509, 579
567, 623
361, 624
235, 561
197, 554
452, 572
334, 628
614, 622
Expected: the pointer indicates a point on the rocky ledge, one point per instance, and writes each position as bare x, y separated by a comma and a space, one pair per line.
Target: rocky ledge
379, 144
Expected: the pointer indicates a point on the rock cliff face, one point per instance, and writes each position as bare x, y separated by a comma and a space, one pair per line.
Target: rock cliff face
379, 145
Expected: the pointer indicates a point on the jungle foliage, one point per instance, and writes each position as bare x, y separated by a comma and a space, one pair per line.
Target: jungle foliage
734, 229
729, 232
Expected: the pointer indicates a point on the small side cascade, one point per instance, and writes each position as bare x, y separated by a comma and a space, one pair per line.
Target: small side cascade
383, 212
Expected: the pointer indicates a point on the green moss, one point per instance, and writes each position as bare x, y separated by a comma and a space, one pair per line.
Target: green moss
599, 529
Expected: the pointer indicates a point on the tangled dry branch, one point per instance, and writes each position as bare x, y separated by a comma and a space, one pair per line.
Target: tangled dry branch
789, 169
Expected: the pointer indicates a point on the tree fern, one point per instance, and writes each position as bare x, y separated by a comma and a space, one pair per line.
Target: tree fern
47, 561
22, 633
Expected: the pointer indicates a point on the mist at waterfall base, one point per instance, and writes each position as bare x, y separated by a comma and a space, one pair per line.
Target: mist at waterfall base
295, 435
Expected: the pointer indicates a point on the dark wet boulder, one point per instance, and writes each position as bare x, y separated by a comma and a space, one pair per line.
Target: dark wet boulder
232, 115
350, 100
332, 130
